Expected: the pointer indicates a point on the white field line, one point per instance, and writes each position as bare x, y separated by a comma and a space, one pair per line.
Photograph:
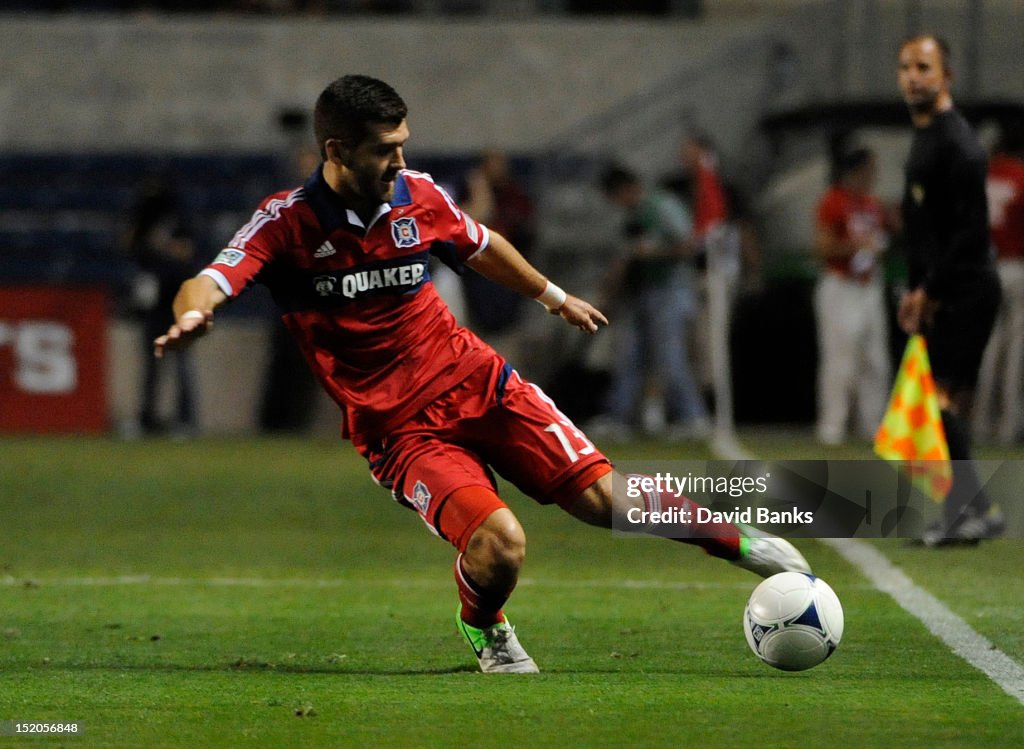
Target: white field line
935, 615
10, 581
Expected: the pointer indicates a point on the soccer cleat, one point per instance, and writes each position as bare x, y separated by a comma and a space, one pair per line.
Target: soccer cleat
767, 555
968, 532
993, 523
497, 648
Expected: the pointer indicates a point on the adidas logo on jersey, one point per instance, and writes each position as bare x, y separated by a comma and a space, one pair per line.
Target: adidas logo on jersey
325, 250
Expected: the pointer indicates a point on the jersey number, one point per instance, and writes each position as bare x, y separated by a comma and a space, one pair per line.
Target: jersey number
558, 429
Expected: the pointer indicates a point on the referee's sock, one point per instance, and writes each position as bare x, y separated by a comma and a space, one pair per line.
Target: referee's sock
967, 494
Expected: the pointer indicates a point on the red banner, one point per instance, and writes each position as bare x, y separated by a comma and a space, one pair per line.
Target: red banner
53, 357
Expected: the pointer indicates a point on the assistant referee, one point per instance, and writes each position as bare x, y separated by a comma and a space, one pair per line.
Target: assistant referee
954, 290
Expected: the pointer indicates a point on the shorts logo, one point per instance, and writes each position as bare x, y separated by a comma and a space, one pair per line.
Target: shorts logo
229, 257
405, 232
420, 498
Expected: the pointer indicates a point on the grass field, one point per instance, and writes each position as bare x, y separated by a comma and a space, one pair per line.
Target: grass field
264, 593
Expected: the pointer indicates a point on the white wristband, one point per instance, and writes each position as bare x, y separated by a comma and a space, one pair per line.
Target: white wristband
552, 297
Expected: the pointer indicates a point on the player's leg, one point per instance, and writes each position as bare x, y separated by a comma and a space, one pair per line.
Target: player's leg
453, 492
956, 345
670, 326
1013, 379
875, 378
619, 415
607, 503
486, 571
541, 451
836, 352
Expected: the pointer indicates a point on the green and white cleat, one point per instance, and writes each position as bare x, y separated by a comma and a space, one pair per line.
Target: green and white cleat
497, 648
767, 555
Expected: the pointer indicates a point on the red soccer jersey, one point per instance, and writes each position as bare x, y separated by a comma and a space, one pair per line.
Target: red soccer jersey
359, 300
853, 216
1005, 188
710, 207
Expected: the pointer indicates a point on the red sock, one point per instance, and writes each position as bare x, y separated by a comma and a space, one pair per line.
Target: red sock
717, 539
479, 609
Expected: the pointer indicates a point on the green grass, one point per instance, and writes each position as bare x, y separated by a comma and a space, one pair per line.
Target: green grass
265, 593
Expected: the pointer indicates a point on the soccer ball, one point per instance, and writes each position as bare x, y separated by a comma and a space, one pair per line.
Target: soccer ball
793, 621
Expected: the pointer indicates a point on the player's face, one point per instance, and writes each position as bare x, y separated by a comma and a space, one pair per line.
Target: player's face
922, 76
374, 164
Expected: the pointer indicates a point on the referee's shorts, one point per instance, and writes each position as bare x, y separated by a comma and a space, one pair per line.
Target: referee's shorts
961, 328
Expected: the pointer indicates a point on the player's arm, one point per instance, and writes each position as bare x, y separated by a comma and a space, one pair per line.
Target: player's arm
502, 263
193, 313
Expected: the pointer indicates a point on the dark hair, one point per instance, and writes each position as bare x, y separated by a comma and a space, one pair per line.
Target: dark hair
851, 161
347, 106
944, 50
700, 139
615, 177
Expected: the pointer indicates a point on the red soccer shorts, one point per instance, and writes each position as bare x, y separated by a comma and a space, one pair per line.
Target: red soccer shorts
492, 419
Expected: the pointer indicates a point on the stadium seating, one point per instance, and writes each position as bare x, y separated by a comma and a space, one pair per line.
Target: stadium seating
62, 215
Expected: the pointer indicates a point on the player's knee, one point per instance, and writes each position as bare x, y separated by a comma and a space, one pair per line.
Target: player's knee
499, 545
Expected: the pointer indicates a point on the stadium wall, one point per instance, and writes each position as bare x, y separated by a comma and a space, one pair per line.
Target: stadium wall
202, 83
187, 83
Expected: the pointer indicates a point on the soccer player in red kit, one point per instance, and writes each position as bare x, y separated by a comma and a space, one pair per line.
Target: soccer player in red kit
431, 407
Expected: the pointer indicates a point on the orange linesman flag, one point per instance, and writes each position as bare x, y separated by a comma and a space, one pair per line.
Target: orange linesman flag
911, 432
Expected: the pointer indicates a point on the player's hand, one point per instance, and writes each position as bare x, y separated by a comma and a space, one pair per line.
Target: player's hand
581, 314
189, 326
915, 312
908, 315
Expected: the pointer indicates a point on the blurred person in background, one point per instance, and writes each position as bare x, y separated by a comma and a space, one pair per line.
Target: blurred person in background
849, 303
710, 204
493, 196
653, 283
288, 403
159, 241
953, 288
999, 408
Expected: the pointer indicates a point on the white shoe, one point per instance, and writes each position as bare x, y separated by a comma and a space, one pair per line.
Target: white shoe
498, 649
767, 555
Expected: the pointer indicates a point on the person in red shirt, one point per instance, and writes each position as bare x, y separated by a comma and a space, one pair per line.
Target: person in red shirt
853, 367
710, 207
432, 408
1002, 369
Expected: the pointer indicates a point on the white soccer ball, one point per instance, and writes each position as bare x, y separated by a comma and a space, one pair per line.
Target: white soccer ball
793, 621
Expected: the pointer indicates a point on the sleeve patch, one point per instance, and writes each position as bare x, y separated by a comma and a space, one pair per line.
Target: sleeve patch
229, 257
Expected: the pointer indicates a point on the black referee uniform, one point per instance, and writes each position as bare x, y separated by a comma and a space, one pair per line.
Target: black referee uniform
945, 215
